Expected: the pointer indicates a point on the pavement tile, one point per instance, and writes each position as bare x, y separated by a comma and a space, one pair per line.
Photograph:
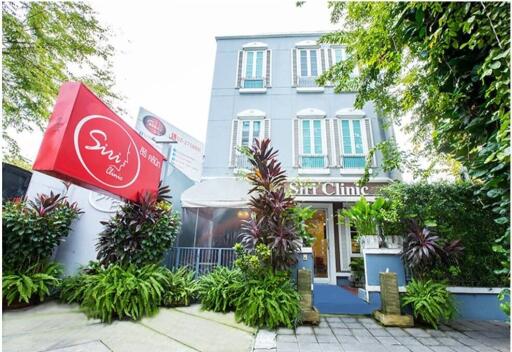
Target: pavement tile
323, 331
441, 349
323, 324
306, 338
342, 332
331, 347
417, 332
387, 340
310, 347
428, 341
397, 332
419, 348
367, 339
348, 320
333, 319
287, 346
354, 325
286, 338
326, 338
361, 332
448, 341
407, 340
347, 339
397, 349
304, 330
284, 331
265, 339
337, 325
380, 332
359, 347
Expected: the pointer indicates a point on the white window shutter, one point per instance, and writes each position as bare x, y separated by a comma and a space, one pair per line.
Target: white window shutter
239, 68
266, 126
296, 142
234, 143
330, 156
268, 76
337, 144
369, 139
294, 67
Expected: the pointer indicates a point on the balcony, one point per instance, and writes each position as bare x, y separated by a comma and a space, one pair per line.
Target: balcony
308, 84
313, 164
353, 161
242, 162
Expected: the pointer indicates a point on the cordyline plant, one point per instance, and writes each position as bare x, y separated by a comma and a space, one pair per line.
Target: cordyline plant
271, 221
423, 249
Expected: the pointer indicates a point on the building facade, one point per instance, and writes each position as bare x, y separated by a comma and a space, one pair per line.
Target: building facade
265, 87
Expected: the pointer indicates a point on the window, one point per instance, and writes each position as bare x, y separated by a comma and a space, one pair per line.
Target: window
354, 146
339, 54
355, 247
253, 73
312, 151
308, 67
249, 131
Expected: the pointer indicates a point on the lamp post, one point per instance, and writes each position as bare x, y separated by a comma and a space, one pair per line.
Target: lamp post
168, 152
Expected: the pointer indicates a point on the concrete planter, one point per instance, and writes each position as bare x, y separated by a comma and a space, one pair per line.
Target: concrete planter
394, 241
369, 242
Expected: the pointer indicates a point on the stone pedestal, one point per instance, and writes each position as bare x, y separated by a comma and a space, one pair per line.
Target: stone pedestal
309, 313
389, 314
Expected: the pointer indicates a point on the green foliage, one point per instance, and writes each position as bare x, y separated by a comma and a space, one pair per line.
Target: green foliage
430, 302
41, 41
180, 288
446, 64
357, 268
31, 230
504, 298
35, 282
301, 216
364, 216
139, 233
122, 293
218, 290
269, 301
454, 212
73, 288
255, 263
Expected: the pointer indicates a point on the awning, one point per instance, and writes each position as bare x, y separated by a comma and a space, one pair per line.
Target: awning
217, 193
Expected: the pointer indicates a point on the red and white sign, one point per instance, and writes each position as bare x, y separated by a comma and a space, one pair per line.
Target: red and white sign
88, 144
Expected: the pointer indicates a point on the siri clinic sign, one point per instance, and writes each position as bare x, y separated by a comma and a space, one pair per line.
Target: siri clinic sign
86, 143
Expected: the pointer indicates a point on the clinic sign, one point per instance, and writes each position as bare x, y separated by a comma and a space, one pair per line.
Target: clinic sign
333, 189
88, 144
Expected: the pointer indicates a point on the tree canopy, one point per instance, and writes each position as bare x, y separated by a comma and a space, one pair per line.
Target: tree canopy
43, 45
447, 64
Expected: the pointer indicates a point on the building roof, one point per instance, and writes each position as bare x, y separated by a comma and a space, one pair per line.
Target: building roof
273, 35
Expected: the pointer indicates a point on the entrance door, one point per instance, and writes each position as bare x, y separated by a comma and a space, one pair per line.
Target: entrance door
320, 226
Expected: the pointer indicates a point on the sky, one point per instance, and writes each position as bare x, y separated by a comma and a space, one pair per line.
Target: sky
166, 51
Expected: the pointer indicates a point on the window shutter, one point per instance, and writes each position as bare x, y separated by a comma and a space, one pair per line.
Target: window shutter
369, 139
269, 70
234, 139
239, 69
337, 148
294, 67
329, 57
266, 126
296, 142
330, 156
322, 59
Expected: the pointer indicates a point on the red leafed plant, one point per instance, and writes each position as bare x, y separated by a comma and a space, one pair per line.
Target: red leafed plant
271, 222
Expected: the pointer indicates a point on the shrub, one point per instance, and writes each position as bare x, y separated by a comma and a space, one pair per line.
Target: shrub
364, 216
454, 212
73, 288
139, 233
269, 301
301, 216
180, 288
218, 290
31, 230
118, 293
430, 302
36, 282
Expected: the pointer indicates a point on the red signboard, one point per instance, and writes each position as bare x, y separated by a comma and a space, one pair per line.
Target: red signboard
88, 144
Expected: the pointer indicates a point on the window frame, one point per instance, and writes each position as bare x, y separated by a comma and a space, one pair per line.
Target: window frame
254, 66
364, 140
308, 62
251, 130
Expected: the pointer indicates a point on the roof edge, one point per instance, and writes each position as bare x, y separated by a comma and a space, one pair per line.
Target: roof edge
273, 35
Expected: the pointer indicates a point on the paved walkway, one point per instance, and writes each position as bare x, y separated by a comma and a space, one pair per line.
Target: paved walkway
352, 334
63, 328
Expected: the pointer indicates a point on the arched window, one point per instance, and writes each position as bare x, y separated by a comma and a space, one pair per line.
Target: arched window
254, 68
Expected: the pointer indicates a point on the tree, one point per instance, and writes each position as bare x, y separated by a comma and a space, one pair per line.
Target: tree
448, 65
43, 45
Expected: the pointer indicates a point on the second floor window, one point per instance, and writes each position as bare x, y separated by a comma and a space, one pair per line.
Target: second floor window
312, 154
353, 144
253, 74
251, 130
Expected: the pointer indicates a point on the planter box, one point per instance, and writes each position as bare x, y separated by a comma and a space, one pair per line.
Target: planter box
394, 241
369, 242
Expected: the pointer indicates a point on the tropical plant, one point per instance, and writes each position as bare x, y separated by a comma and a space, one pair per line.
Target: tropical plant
301, 217
504, 298
430, 301
140, 232
364, 216
129, 292
180, 288
271, 222
269, 301
357, 268
217, 290
72, 288
32, 230
36, 282
40, 42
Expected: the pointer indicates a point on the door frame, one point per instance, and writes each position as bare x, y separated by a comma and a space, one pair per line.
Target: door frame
331, 256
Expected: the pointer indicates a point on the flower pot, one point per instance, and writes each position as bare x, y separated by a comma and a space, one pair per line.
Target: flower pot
394, 241
369, 242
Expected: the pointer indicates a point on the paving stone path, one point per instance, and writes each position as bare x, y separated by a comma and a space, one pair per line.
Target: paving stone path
53, 327
362, 334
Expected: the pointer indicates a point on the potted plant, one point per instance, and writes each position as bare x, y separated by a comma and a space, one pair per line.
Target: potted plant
365, 216
357, 269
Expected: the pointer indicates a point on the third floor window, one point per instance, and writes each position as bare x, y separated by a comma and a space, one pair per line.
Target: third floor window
253, 73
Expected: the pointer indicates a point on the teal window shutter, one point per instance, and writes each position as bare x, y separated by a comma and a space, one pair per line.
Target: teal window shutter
248, 64
306, 137
313, 59
317, 130
345, 134
259, 64
256, 129
358, 138
303, 63
246, 126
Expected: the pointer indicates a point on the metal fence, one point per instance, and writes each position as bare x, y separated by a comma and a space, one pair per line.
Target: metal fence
201, 260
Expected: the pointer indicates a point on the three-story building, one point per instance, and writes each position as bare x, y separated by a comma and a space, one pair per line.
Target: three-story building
264, 86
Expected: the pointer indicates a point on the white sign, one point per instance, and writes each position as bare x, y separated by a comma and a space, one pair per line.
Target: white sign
186, 154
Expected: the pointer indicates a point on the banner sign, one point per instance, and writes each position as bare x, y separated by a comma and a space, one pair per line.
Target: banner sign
186, 154
333, 189
88, 144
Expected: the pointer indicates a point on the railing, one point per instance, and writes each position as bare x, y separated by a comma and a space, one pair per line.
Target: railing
313, 161
200, 260
307, 82
253, 82
353, 161
242, 162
